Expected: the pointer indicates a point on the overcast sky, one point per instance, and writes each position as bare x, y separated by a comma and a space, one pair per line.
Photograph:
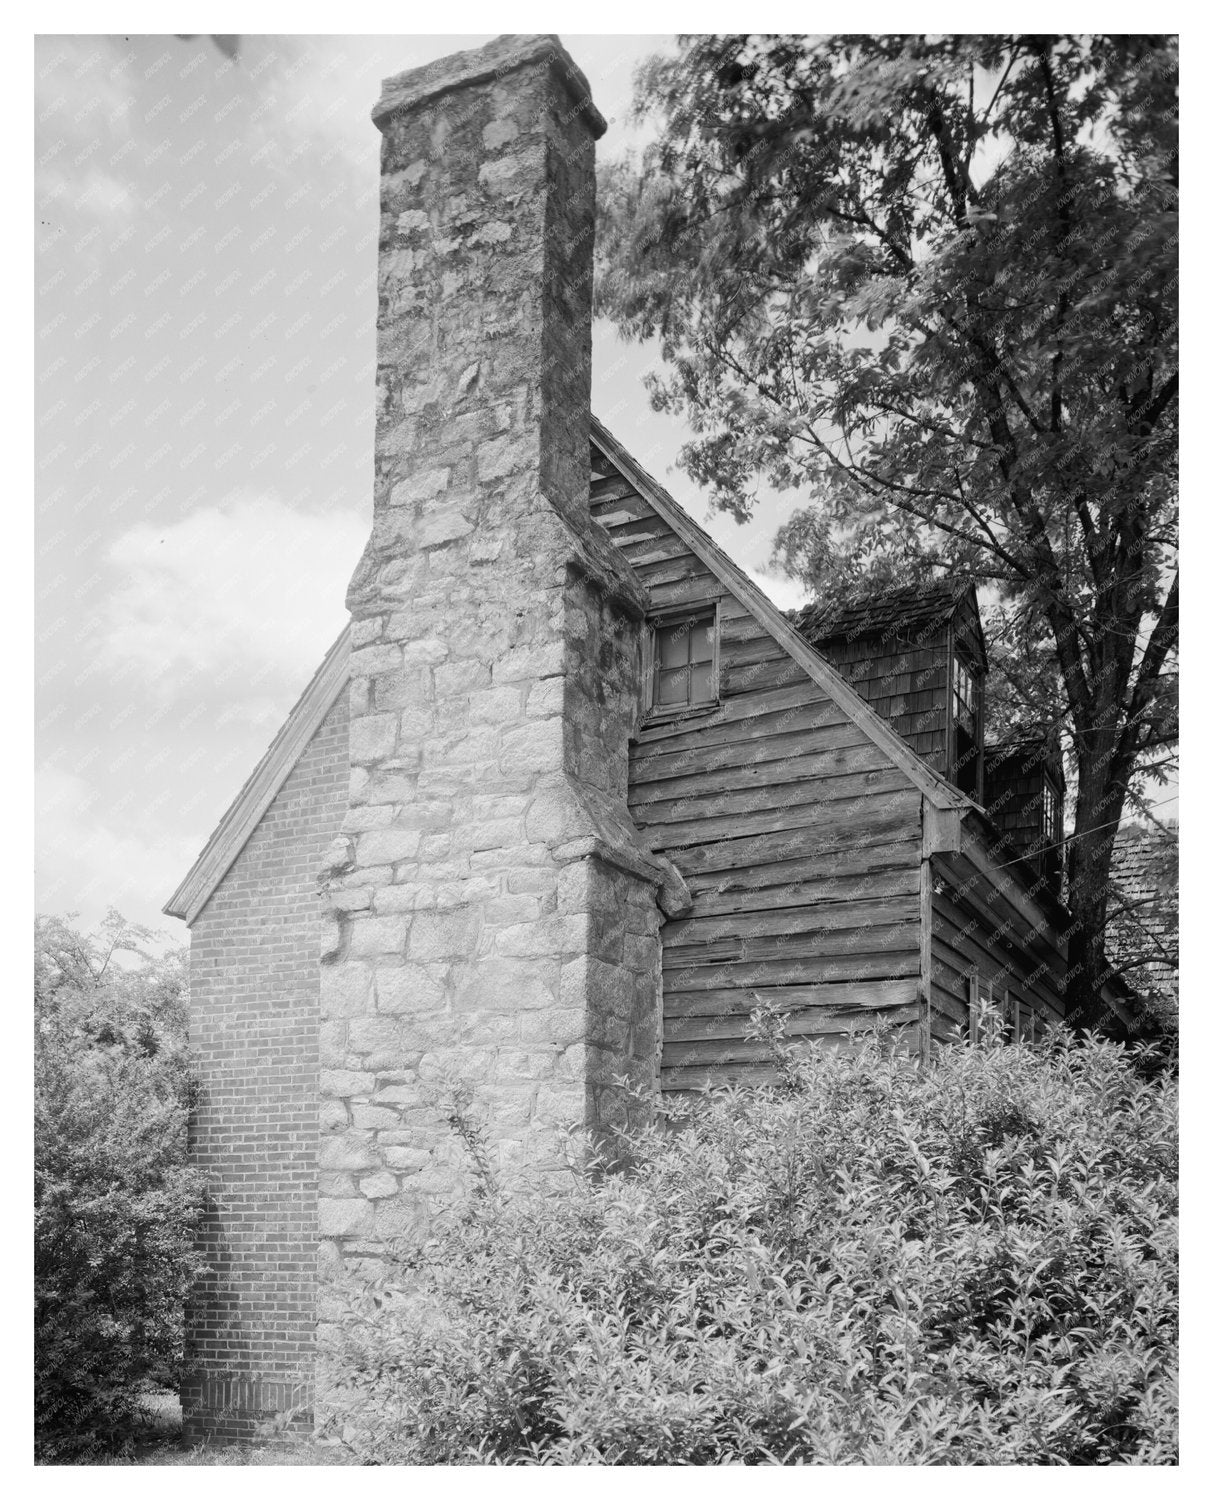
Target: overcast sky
206, 233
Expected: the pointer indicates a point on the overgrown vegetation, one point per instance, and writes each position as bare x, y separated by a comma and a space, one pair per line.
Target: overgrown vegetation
115, 1204
867, 1264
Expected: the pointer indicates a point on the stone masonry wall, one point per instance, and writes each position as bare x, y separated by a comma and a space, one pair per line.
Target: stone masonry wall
495, 918
254, 1023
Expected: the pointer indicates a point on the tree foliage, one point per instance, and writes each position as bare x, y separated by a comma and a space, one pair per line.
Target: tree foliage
115, 1203
932, 283
868, 1264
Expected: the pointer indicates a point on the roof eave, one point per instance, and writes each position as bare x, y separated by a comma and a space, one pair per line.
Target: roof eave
249, 805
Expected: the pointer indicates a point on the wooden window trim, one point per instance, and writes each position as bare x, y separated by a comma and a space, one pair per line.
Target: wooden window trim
659, 713
959, 655
1004, 1011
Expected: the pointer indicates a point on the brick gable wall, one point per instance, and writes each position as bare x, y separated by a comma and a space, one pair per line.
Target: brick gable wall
254, 1032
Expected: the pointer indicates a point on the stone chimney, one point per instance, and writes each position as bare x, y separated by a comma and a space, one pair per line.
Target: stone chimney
495, 917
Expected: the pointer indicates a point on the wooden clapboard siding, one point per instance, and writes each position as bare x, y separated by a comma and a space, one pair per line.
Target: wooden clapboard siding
834, 748
685, 1076
986, 922
750, 716
859, 996
717, 1046
800, 829
714, 900
755, 806
798, 837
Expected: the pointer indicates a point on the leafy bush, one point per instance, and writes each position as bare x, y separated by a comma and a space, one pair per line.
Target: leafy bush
115, 1205
870, 1263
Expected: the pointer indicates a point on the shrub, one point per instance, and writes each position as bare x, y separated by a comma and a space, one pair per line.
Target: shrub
870, 1263
115, 1205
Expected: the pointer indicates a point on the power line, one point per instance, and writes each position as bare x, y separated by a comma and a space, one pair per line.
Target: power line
1044, 849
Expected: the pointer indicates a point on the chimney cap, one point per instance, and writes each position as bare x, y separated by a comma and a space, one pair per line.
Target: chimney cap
501, 56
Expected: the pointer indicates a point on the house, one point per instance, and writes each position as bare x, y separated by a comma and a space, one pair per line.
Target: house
569, 795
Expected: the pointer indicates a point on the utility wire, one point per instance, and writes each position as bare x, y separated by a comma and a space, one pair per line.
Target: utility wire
1044, 849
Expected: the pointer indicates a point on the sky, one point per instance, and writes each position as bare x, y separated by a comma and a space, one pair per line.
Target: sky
206, 227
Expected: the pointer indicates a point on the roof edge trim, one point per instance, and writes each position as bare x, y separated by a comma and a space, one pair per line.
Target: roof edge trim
237, 824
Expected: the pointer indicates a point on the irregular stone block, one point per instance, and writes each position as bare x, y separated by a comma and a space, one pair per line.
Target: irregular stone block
378, 1185
386, 846
443, 935
378, 935
343, 1217
348, 1152
372, 738
343, 1083
408, 991
422, 485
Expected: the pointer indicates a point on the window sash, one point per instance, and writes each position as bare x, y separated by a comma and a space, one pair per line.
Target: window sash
964, 695
685, 663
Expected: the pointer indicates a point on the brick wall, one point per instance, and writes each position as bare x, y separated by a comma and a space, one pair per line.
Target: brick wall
254, 1024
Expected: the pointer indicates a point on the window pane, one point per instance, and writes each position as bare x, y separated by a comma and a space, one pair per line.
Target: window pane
672, 646
701, 683
671, 687
701, 641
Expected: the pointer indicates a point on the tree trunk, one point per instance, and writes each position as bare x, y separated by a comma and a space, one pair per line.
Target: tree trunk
1101, 799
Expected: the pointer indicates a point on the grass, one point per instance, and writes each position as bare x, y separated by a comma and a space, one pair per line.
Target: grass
160, 1443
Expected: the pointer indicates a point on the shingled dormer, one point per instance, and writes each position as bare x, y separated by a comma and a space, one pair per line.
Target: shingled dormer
918, 657
1025, 795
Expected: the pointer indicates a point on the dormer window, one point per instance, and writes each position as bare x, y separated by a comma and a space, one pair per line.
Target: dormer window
685, 663
966, 705
1050, 815
964, 696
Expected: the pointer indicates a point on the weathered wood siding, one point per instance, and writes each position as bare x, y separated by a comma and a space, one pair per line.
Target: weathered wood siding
906, 682
985, 922
799, 839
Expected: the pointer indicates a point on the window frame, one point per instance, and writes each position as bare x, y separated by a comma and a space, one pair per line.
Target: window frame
1051, 817
961, 659
1001, 1011
687, 616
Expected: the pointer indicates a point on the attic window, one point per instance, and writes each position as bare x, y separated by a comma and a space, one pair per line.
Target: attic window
685, 664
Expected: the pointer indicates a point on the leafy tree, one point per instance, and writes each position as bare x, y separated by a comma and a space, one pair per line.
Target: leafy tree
932, 281
115, 1203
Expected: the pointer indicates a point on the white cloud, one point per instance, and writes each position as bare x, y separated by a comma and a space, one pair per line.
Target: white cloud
87, 862
243, 596
87, 193
82, 88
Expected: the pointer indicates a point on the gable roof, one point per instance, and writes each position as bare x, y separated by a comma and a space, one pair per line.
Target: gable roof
246, 811
237, 824
894, 612
940, 793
